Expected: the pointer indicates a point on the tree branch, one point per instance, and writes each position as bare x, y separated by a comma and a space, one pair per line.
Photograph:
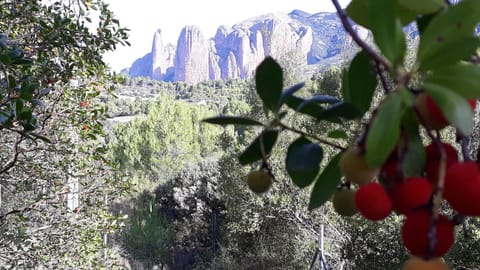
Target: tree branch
365, 47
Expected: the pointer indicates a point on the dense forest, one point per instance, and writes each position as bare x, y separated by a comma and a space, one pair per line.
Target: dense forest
102, 171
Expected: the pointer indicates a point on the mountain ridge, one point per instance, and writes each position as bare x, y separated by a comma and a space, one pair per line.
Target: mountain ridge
235, 51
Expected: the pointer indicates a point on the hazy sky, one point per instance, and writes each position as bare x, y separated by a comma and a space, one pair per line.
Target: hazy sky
144, 17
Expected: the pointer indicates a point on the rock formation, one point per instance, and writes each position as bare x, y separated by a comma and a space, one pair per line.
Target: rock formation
235, 52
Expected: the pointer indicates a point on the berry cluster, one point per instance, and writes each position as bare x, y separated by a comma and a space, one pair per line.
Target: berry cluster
426, 233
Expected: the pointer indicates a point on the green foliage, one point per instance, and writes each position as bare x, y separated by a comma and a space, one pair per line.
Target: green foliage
52, 139
148, 236
360, 76
303, 161
161, 143
326, 184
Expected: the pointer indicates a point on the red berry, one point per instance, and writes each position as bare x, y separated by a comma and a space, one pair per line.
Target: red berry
410, 194
432, 153
373, 202
472, 103
433, 160
434, 111
415, 231
83, 104
462, 188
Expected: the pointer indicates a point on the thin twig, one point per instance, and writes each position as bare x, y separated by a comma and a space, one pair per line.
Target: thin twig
318, 139
437, 197
365, 47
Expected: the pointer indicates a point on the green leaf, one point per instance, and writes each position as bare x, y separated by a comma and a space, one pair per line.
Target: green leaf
457, 23
424, 6
337, 134
360, 12
385, 130
362, 82
269, 83
232, 120
414, 158
387, 30
450, 52
303, 161
287, 93
340, 110
43, 138
462, 78
253, 153
4, 118
326, 183
455, 107
311, 109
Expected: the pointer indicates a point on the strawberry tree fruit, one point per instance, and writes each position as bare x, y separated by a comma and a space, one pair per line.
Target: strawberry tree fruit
259, 181
373, 202
432, 161
353, 166
462, 186
410, 194
416, 263
415, 231
432, 114
344, 202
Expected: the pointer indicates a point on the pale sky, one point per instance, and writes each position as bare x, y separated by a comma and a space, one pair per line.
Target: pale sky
144, 17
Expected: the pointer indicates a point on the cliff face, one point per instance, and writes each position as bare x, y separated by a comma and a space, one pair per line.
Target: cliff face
162, 57
192, 56
235, 52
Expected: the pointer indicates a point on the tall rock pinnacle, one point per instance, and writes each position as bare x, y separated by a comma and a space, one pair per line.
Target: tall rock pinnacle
192, 56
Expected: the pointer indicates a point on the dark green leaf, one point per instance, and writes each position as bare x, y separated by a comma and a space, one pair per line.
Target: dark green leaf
232, 120
311, 109
303, 161
337, 134
414, 158
360, 12
385, 130
387, 30
362, 82
287, 93
424, 21
340, 110
424, 6
321, 99
457, 23
455, 107
269, 83
450, 52
43, 138
463, 79
253, 153
4, 118
326, 183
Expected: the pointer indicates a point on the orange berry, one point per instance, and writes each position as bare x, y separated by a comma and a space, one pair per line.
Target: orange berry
416, 263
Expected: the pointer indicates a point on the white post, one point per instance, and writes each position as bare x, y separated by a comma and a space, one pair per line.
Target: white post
320, 245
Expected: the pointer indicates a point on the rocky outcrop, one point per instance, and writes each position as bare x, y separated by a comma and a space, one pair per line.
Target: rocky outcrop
235, 52
192, 56
162, 57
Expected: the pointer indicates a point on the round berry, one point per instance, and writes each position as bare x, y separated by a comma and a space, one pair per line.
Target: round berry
416, 263
462, 188
410, 194
415, 231
373, 202
353, 166
344, 202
